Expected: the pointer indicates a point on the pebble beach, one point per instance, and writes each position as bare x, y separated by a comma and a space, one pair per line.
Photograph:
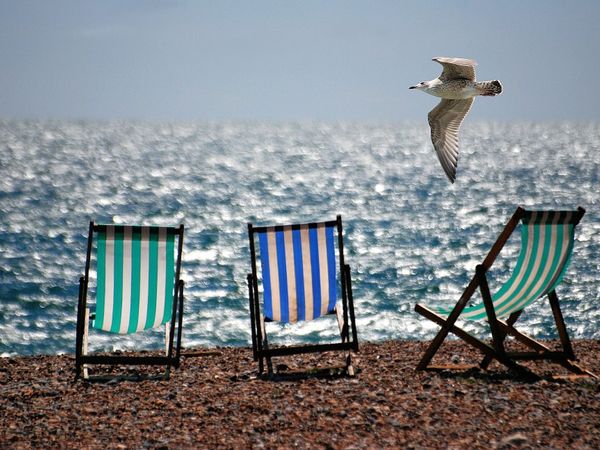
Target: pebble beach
216, 399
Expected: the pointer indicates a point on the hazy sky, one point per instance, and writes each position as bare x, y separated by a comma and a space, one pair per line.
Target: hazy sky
292, 60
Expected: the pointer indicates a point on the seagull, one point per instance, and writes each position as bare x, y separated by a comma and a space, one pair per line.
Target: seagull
457, 88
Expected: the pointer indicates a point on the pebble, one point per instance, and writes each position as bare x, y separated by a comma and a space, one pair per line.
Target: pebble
217, 400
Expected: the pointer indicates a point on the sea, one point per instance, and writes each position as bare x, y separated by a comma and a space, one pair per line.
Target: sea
410, 235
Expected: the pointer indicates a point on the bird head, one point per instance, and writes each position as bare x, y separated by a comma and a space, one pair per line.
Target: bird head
422, 85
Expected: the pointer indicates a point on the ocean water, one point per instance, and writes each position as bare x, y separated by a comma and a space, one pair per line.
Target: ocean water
410, 235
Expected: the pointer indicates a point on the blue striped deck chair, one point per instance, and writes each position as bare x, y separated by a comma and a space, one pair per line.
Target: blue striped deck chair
301, 275
137, 288
547, 239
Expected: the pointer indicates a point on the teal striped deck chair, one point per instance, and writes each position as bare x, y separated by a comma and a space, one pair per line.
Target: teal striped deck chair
301, 276
547, 239
137, 288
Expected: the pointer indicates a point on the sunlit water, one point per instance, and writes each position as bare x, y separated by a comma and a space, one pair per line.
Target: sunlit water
410, 235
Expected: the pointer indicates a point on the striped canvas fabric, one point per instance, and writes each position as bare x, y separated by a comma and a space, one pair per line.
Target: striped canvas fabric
136, 273
546, 245
299, 272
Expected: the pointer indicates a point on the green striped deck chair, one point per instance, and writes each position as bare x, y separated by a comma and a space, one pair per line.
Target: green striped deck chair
547, 239
137, 288
301, 276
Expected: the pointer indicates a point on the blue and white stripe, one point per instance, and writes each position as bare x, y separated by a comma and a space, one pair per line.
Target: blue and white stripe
298, 271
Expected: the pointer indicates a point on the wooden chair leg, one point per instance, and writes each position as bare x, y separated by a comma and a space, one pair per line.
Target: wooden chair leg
180, 322
494, 353
342, 326
351, 308
542, 349
560, 325
462, 334
264, 347
261, 365
485, 362
84, 349
252, 316
446, 325
167, 341
344, 334
497, 335
467, 294
349, 366
80, 327
167, 335
433, 346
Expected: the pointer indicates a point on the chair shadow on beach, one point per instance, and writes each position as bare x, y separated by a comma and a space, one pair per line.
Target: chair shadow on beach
332, 373
113, 374
468, 367
306, 367
120, 378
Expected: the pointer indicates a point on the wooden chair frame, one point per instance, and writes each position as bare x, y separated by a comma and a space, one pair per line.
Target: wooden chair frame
346, 320
173, 345
501, 329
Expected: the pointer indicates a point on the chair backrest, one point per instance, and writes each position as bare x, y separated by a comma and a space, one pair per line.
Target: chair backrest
299, 271
136, 275
547, 239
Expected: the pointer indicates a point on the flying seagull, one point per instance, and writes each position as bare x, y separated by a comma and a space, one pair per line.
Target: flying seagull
457, 88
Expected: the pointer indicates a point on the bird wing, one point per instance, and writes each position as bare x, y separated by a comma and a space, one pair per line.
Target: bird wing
445, 120
456, 68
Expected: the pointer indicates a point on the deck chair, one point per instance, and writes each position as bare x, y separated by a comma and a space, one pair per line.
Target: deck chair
299, 280
547, 239
138, 288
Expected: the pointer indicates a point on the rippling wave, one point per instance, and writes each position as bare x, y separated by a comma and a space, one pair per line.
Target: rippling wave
410, 235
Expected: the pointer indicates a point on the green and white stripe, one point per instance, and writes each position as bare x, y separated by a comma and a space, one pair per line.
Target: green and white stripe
136, 274
546, 246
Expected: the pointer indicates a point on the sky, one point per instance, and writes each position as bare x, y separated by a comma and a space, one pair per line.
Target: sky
332, 60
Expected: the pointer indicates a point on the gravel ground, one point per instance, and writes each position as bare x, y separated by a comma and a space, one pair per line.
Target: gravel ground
216, 400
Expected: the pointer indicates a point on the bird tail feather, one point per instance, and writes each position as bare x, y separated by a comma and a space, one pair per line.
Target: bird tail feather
489, 88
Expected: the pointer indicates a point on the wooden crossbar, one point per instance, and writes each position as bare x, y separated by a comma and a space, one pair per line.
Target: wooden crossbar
501, 329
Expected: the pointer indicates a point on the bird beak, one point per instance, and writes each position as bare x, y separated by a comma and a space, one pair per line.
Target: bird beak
412, 87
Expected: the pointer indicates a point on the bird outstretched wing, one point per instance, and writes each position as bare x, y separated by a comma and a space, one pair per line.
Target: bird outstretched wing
456, 68
445, 120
